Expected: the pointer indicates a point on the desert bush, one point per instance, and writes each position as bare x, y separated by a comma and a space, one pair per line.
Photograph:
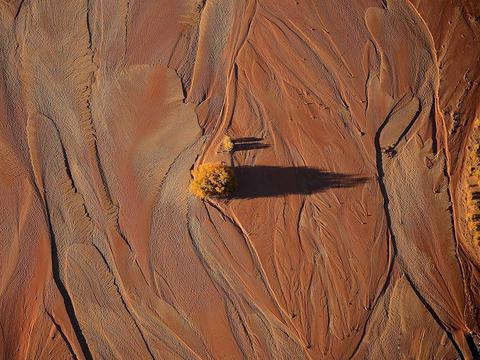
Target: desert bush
227, 143
212, 180
473, 182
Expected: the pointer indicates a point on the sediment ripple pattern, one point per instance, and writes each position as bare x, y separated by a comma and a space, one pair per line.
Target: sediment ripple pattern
347, 237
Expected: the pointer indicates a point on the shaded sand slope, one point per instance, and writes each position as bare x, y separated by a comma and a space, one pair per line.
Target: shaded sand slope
347, 236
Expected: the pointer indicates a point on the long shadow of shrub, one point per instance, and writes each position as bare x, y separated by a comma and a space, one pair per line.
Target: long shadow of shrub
249, 146
272, 181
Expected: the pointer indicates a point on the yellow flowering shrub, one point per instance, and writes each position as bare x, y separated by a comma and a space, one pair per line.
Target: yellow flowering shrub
227, 143
212, 179
473, 192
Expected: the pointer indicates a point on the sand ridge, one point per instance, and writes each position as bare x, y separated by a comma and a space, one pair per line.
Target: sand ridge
360, 110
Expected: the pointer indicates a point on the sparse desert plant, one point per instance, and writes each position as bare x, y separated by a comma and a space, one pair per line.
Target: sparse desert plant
227, 143
473, 181
212, 180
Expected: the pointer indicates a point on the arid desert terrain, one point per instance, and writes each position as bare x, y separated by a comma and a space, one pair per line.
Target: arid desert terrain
354, 231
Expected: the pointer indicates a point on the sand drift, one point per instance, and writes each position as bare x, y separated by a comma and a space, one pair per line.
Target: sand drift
352, 230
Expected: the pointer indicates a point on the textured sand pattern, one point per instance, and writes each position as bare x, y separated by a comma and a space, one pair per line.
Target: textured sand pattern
347, 237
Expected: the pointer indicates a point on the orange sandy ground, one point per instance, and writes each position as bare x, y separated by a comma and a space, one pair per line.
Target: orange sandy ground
346, 238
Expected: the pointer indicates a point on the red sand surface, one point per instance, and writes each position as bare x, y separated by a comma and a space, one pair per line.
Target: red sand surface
347, 236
